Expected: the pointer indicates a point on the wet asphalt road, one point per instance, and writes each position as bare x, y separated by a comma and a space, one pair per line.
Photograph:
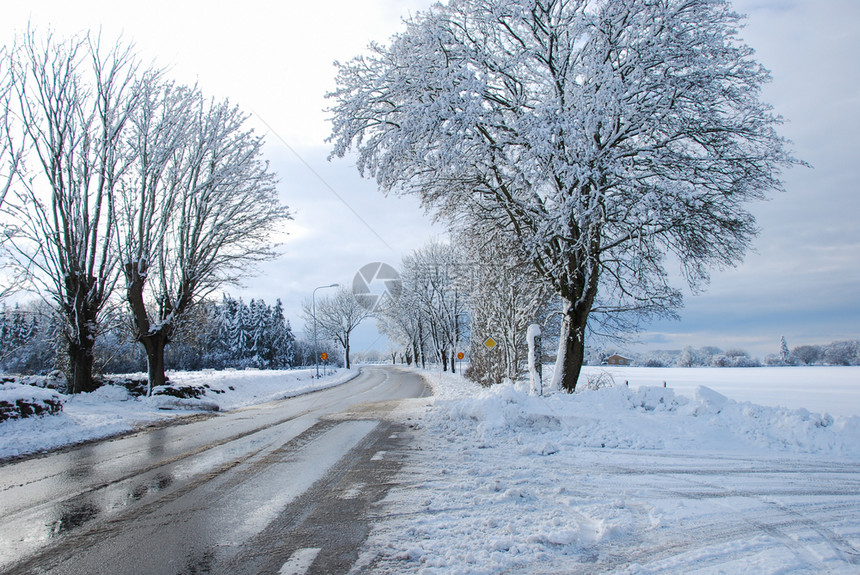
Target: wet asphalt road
281, 488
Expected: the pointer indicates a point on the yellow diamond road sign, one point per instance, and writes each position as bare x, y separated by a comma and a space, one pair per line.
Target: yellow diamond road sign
490, 343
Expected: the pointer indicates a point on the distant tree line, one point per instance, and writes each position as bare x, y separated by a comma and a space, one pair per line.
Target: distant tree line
834, 353
217, 335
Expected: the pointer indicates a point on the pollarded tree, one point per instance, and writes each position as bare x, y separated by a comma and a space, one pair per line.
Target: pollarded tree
72, 100
600, 136
197, 208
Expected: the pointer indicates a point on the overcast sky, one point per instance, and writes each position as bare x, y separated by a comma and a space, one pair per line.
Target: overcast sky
274, 59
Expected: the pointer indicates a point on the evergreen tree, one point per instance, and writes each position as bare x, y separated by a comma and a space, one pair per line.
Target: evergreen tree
282, 338
784, 354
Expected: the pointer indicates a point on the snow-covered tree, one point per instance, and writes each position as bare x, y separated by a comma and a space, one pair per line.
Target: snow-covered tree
806, 354
431, 289
784, 354
281, 342
734, 358
842, 353
71, 100
600, 136
197, 208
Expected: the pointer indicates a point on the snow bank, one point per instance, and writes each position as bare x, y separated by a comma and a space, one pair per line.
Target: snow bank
643, 418
253, 386
830, 389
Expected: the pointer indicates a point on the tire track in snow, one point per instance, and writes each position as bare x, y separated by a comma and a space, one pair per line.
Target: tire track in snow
772, 520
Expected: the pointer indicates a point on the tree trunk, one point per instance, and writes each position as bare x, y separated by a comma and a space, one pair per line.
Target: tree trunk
80, 376
155, 344
81, 340
346, 352
571, 348
153, 341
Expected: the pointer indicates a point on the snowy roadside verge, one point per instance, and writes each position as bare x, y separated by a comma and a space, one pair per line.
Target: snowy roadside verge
647, 417
111, 410
615, 480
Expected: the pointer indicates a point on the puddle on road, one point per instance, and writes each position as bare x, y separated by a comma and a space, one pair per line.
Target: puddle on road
158, 483
74, 515
83, 509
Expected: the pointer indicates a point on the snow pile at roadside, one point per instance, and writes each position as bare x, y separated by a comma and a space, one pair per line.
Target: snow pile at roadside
112, 410
643, 418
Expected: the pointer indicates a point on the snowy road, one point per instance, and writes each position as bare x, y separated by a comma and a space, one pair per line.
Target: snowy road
278, 488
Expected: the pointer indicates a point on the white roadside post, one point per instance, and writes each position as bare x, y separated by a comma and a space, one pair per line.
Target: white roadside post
533, 336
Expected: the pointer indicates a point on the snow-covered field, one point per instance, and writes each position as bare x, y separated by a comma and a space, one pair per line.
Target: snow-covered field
629, 480
833, 390
110, 410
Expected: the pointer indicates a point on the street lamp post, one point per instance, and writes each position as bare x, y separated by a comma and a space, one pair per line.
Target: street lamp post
314, 314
